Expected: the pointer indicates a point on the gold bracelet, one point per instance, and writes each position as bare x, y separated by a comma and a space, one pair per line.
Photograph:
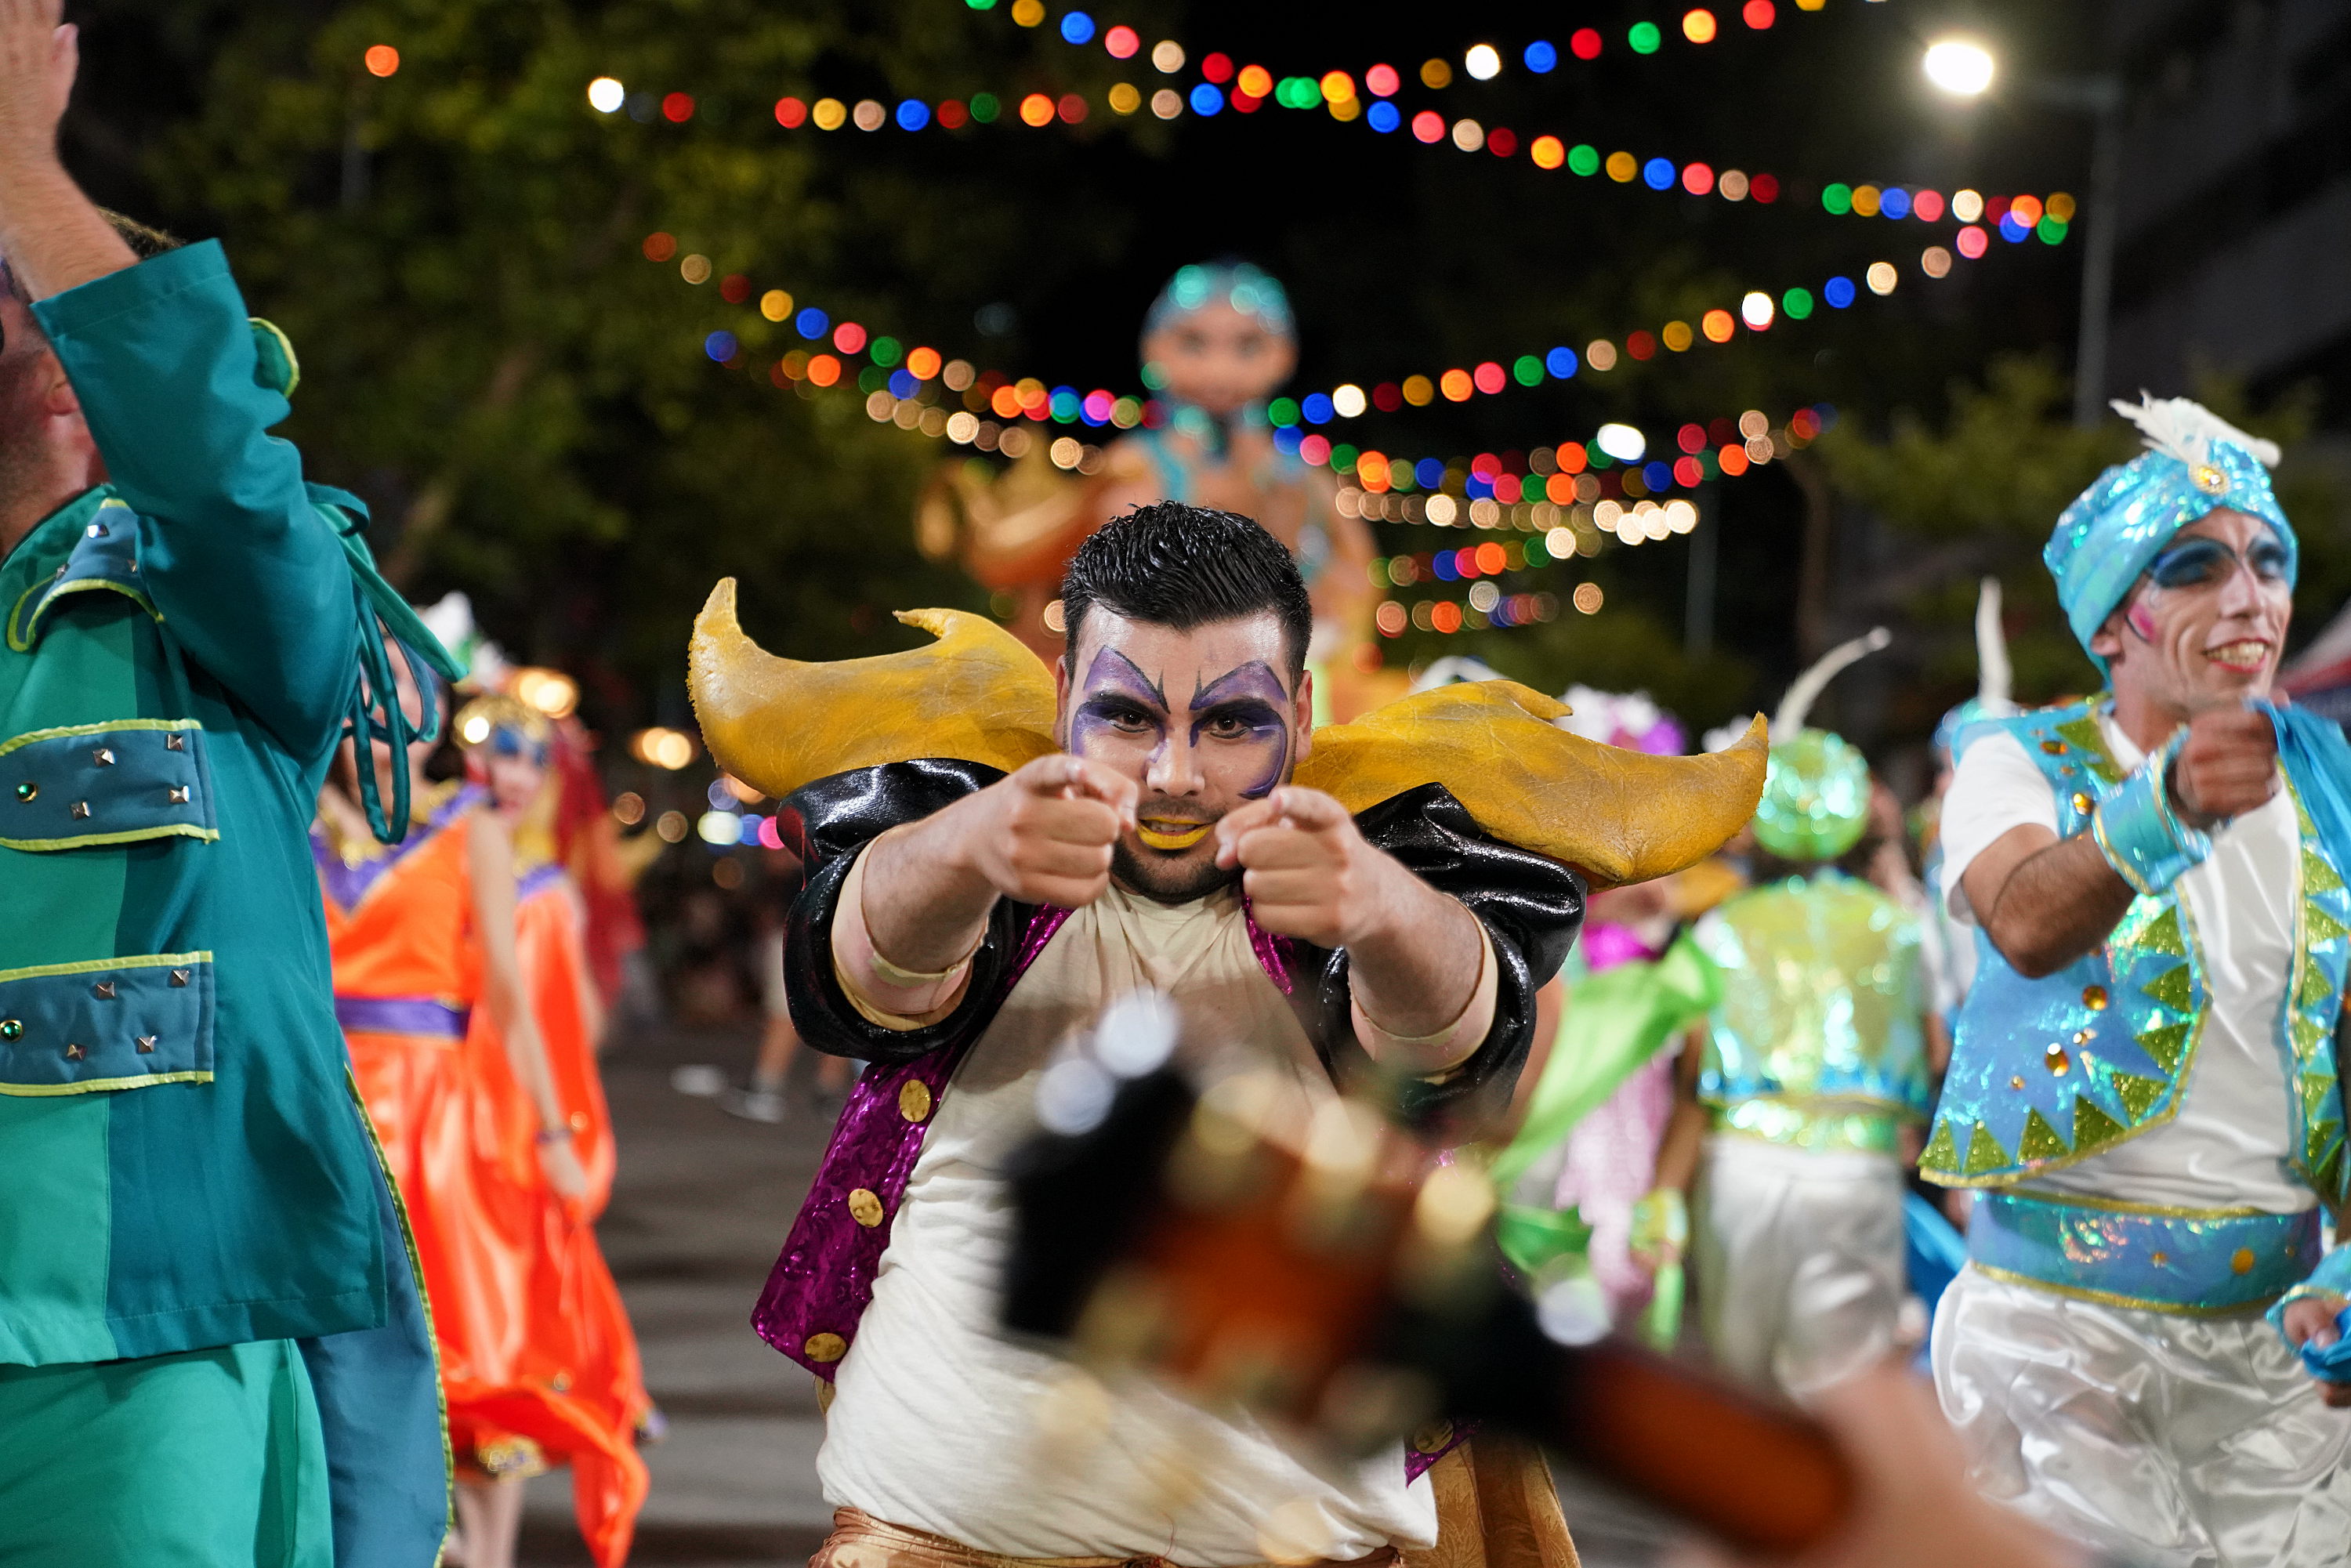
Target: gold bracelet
911, 979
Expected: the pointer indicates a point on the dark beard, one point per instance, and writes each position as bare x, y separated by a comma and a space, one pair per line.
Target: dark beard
1165, 882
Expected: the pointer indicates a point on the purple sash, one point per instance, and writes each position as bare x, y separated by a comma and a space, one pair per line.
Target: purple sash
402, 1015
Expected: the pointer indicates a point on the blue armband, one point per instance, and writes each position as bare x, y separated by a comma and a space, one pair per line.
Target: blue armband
2139, 833
2330, 1283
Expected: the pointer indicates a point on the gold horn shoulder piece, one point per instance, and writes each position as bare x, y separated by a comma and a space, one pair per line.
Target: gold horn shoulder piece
975, 694
1616, 815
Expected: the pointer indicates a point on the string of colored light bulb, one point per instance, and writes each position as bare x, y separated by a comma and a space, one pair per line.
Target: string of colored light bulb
1251, 86
1698, 24
900, 371
2048, 218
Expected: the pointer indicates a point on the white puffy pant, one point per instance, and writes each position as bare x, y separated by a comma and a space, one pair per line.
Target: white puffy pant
2194, 1442
1799, 1261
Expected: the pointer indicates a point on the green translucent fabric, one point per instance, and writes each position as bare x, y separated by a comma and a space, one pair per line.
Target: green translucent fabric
1616, 1020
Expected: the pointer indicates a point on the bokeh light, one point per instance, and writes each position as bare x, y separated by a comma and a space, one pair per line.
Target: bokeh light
1961, 67
383, 60
606, 94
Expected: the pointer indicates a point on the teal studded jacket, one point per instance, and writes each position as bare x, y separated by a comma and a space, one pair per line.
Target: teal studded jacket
2046, 1072
182, 1163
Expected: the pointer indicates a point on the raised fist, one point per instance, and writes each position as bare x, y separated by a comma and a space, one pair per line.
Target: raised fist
2227, 767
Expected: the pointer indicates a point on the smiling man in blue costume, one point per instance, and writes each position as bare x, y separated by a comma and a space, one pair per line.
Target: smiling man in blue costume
998, 853
212, 1347
2145, 1081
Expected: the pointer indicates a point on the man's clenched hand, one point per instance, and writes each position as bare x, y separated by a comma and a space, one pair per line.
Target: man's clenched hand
1044, 834
1308, 871
2227, 766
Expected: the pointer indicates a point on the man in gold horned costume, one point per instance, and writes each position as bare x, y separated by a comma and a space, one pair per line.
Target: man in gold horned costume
997, 855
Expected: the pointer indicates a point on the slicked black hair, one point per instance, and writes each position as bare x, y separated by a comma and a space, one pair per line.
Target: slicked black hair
1182, 565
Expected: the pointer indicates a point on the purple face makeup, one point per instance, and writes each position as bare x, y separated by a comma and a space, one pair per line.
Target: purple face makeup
1195, 758
1247, 708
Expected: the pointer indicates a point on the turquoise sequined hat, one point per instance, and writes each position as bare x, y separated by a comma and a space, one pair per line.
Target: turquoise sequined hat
1251, 290
1815, 802
2195, 462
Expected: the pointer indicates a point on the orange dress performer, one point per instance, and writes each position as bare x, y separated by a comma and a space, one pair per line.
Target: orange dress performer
1216, 343
471, 1029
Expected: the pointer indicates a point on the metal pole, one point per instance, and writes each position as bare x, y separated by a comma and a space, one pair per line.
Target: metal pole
2105, 105
1697, 605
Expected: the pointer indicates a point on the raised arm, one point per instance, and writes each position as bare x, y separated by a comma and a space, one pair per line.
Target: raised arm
244, 569
1421, 969
2044, 901
917, 902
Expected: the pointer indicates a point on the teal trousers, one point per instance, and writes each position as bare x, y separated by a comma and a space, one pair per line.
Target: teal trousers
210, 1459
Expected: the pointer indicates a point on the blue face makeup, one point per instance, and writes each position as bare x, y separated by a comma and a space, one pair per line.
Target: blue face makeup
2195, 562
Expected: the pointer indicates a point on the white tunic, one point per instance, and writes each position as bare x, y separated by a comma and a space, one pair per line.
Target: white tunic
942, 1425
2229, 1145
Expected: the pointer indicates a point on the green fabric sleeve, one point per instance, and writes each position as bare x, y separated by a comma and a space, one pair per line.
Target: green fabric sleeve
1614, 1021
249, 577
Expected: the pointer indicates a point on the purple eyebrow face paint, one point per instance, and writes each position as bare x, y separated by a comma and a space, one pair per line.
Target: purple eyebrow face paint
1121, 708
1244, 713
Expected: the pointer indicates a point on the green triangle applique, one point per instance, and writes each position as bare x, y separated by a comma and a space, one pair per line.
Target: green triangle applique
2162, 935
2165, 1045
2173, 989
2315, 987
1941, 1153
2323, 927
2321, 1136
2093, 1128
2137, 1094
2083, 734
2328, 1178
2307, 1033
1984, 1153
2039, 1140
2317, 876
2315, 1088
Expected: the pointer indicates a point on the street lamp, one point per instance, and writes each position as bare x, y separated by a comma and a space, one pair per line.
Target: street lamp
1961, 67
1965, 69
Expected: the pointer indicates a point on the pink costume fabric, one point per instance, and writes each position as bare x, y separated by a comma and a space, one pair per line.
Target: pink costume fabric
1611, 1156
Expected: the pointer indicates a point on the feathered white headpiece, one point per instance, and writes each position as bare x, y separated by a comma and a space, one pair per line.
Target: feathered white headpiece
2183, 428
1797, 705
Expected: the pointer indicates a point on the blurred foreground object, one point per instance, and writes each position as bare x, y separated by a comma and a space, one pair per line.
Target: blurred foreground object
1320, 1271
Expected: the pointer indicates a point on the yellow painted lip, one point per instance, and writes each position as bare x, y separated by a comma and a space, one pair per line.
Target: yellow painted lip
1184, 838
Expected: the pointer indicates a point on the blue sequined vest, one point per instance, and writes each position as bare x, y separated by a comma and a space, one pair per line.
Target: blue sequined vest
2050, 1071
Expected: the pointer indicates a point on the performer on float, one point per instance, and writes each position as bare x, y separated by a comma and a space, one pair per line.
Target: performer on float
212, 1350
1216, 343
1599, 1087
998, 854
2145, 1082
484, 1153
1813, 1067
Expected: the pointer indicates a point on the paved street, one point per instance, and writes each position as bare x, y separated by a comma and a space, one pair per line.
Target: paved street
698, 1212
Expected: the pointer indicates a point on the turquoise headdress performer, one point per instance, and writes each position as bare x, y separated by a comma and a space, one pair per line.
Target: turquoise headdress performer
2144, 1080
1216, 343
1812, 1063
